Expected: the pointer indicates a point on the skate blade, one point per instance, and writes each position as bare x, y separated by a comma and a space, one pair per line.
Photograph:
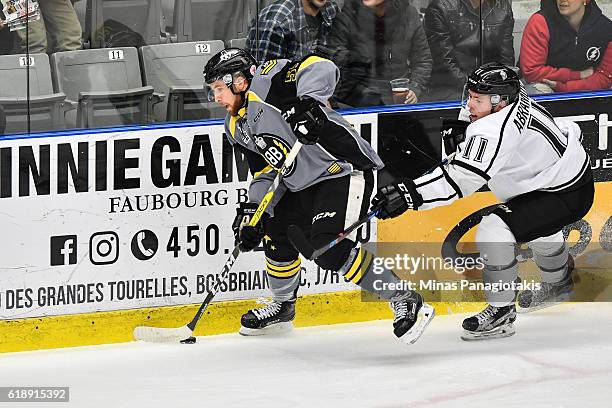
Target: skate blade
505, 330
560, 299
276, 328
426, 315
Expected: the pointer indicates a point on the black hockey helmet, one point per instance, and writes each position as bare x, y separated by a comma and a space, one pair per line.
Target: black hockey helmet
495, 79
225, 64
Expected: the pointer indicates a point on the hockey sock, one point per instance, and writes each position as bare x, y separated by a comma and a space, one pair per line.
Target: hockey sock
551, 255
284, 278
496, 245
498, 280
360, 269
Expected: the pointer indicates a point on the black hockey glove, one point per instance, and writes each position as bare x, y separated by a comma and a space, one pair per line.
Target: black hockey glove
395, 198
306, 119
453, 133
247, 237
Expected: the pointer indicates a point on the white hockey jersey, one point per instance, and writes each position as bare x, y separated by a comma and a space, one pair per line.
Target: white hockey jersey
519, 149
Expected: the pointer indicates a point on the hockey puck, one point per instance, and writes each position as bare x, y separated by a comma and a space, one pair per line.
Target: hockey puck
190, 340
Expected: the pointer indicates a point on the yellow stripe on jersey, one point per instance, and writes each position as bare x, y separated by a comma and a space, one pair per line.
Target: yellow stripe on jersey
334, 169
311, 60
234, 119
266, 169
268, 65
253, 97
286, 271
232, 126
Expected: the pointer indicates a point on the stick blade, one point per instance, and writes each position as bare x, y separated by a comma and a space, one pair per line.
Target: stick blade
300, 242
162, 335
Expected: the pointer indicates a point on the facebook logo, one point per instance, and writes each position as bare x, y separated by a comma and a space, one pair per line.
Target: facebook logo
63, 250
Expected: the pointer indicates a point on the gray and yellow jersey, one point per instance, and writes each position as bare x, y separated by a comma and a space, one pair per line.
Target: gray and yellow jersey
260, 128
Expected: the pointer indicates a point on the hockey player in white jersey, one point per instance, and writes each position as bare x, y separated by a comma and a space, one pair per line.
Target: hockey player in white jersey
327, 188
535, 165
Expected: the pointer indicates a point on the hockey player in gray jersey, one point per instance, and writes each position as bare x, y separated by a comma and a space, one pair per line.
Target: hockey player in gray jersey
327, 188
532, 163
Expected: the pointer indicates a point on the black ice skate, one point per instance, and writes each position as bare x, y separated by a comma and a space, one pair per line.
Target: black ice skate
491, 323
549, 294
275, 317
412, 316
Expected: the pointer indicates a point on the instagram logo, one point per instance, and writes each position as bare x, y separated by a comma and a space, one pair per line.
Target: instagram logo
104, 248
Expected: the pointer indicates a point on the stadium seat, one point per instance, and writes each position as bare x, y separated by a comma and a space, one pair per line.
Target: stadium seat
176, 71
202, 20
46, 107
115, 23
238, 42
103, 87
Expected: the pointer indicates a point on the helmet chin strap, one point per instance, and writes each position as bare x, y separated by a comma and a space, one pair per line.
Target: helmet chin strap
242, 95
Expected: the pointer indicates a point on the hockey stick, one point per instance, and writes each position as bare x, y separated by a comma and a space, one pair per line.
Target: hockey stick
303, 245
184, 334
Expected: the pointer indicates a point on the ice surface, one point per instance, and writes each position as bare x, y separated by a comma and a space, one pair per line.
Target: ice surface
560, 357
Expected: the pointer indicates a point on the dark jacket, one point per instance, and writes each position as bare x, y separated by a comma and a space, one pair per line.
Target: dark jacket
453, 35
367, 64
8, 41
552, 49
570, 49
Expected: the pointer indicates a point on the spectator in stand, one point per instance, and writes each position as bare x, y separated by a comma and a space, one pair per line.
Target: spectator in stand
452, 28
375, 41
7, 38
59, 22
291, 29
567, 46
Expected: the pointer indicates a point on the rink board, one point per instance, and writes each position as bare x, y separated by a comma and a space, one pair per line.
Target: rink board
124, 220
167, 254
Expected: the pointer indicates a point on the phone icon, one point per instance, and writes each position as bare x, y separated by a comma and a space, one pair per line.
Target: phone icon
144, 245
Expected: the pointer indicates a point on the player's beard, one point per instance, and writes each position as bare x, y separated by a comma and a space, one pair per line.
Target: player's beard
235, 107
